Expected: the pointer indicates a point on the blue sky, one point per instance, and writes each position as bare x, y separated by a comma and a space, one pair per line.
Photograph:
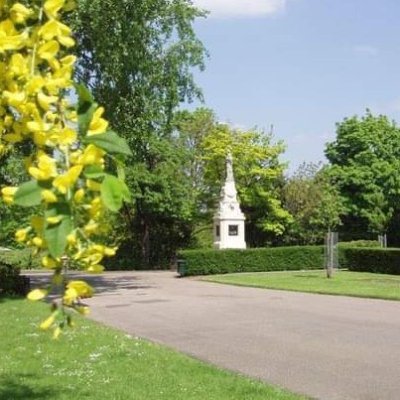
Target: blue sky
301, 65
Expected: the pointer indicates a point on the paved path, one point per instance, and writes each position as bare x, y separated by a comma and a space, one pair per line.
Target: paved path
330, 348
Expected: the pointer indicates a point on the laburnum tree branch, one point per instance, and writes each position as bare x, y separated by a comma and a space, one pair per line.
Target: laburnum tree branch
70, 190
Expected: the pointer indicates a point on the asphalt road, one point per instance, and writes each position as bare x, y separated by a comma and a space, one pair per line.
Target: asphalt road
327, 347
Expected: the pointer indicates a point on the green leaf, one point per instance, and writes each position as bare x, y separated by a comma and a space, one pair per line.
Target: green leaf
56, 234
28, 194
84, 95
110, 142
93, 172
125, 192
114, 192
86, 108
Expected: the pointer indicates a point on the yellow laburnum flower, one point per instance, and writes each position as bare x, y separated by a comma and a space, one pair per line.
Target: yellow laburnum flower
57, 333
18, 65
10, 39
49, 262
8, 194
42, 139
95, 269
19, 13
47, 323
97, 125
70, 296
38, 242
37, 294
91, 227
93, 258
35, 84
79, 195
63, 182
48, 196
13, 138
21, 235
48, 50
107, 251
71, 239
96, 207
53, 29
46, 101
65, 137
68, 61
14, 99
46, 167
52, 7
82, 289
92, 155
54, 220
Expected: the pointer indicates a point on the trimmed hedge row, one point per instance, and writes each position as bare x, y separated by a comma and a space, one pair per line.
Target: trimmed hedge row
362, 259
208, 262
377, 260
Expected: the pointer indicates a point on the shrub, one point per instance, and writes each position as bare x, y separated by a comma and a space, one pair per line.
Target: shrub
21, 258
383, 261
207, 262
11, 282
360, 243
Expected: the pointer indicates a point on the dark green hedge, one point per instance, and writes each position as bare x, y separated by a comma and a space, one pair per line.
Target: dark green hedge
382, 261
208, 262
11, 282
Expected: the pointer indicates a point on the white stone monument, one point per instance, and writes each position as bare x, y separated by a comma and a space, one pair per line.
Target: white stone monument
229, 219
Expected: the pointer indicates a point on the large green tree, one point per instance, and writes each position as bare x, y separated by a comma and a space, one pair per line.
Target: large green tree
257, 169
365, 160
137, 57
314, 203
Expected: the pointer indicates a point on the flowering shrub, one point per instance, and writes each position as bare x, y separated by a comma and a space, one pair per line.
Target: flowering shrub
70, 189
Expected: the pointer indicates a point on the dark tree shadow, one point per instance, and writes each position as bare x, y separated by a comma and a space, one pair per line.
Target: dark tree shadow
15, 388
103, 283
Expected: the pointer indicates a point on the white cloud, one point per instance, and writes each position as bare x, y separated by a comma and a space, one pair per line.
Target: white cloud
366, 50
241, 8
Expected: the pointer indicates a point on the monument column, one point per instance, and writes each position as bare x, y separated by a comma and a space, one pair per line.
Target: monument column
229, 228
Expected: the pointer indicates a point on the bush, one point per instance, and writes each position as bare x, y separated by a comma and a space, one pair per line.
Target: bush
11, 282
360, 243
382, 261
21, 258
207, 262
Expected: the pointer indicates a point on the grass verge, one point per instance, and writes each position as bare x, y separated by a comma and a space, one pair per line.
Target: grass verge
96, 362
357, 284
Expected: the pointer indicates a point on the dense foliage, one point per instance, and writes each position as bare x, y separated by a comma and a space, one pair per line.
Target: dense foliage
364, 164
141, 67
315, 204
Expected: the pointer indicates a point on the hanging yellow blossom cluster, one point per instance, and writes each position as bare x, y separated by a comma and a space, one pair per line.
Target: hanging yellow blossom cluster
69, 184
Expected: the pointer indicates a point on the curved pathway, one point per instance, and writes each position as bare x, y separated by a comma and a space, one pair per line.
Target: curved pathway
328, 347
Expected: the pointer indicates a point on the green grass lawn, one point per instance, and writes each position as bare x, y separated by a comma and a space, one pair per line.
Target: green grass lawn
96, 362
358, 284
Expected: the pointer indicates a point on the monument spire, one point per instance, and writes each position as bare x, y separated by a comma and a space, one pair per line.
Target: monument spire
229, 219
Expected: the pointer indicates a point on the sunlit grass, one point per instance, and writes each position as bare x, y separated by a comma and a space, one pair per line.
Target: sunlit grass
96, 362
358, 284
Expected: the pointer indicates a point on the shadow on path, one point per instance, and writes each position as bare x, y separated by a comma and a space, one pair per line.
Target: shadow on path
103, 284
